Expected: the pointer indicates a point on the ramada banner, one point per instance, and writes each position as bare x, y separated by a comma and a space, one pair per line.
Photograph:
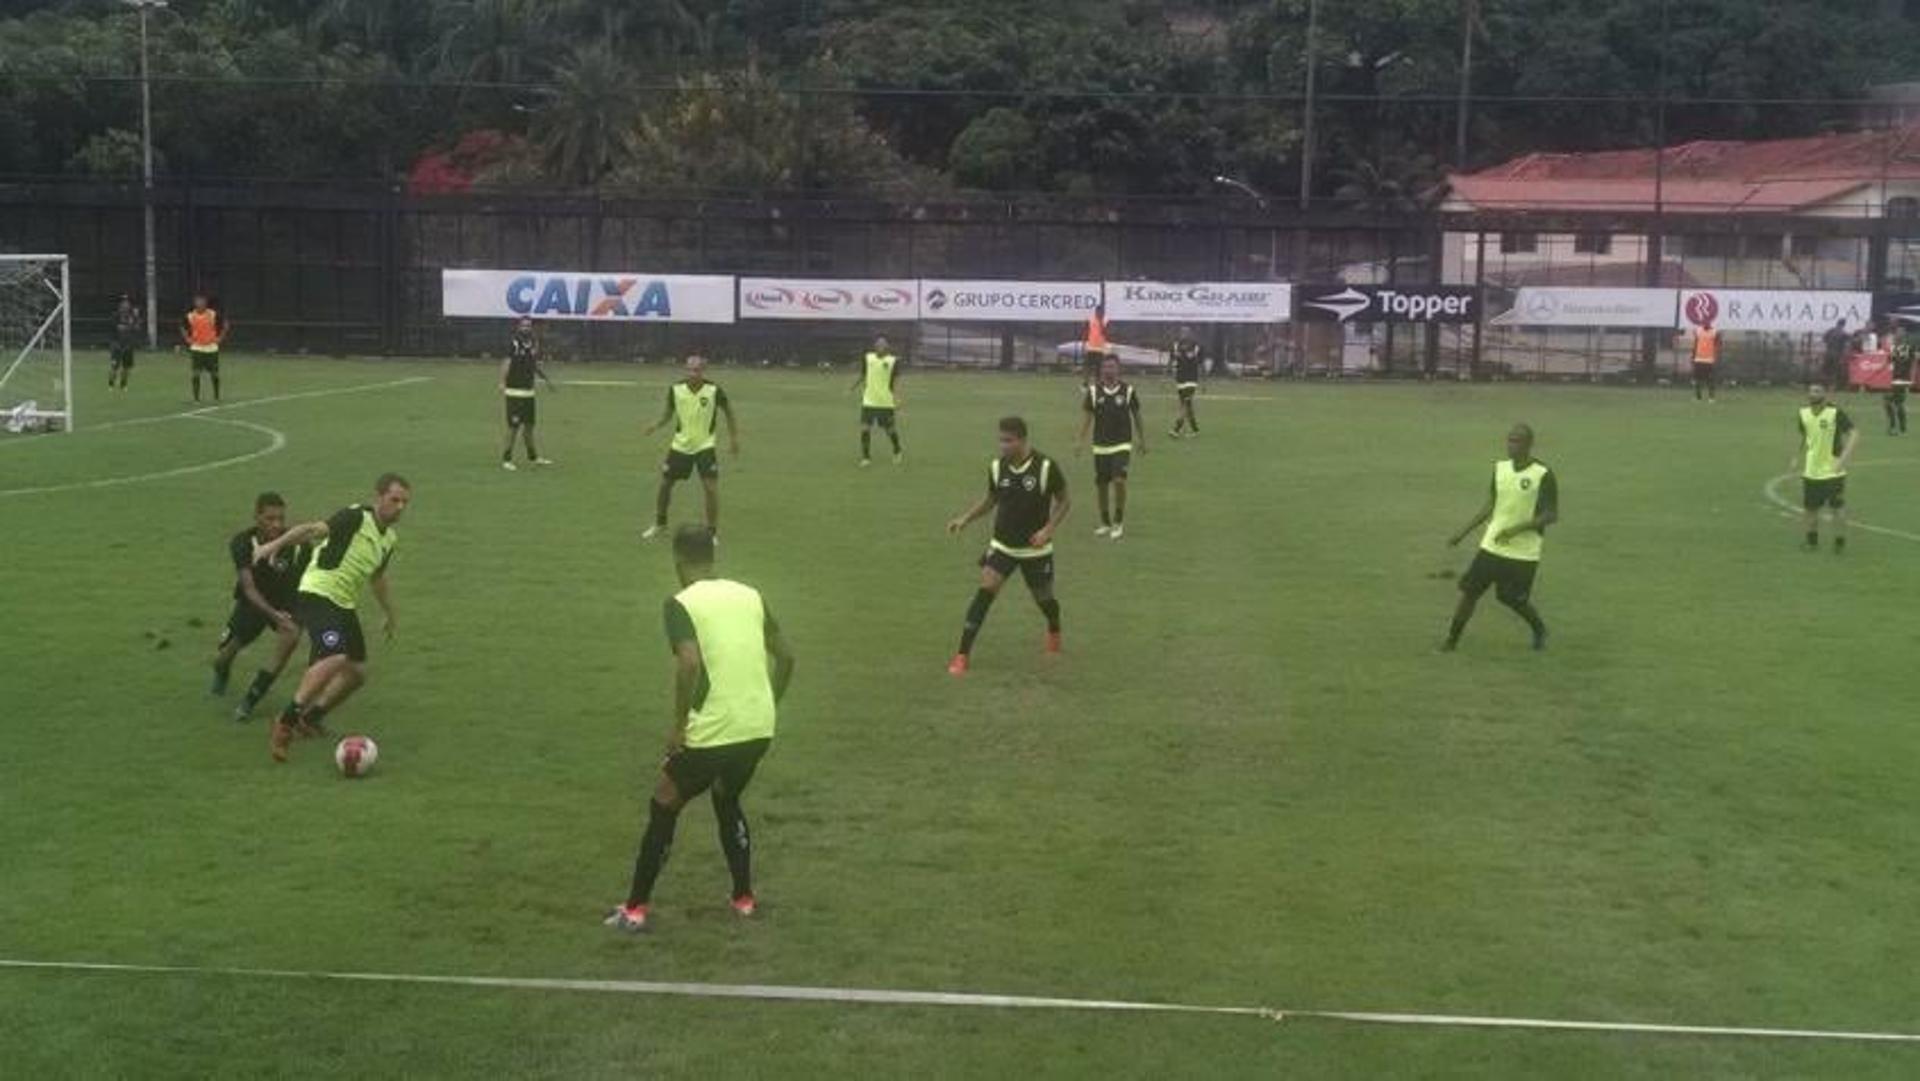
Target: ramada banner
610, 296
1788, 310
1199, 302
1007, 301
863, 299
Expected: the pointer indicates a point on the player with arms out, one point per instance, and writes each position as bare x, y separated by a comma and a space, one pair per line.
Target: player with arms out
1185, 358
878, 384
694, 406
263, 596
203, 330
725, 701
1111, 411
1027, 491
517, 375
126, 338
1821, 453
1523, 499
354, 547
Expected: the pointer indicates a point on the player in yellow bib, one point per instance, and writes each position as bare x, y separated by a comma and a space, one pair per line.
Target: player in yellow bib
1825, 445
1523, 499
694, 407
351, 552
725, 701
879, 387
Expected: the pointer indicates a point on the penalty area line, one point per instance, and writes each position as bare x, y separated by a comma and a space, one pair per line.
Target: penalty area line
866, 996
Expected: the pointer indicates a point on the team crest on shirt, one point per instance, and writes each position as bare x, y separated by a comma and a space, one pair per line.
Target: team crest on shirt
1030, 482
1526, 483
330, 639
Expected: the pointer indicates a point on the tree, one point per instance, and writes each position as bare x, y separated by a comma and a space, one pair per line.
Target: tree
586, 126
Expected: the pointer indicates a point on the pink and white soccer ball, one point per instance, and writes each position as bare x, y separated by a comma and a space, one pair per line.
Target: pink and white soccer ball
356, 755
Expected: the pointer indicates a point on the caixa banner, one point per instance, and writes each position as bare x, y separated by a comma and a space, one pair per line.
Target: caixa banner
611, 296
862, 299
1388, 303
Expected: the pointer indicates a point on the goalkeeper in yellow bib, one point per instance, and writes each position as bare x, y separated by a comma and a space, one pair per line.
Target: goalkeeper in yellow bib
1827, 439
1523, 499
879, 384
694, 407
351, 551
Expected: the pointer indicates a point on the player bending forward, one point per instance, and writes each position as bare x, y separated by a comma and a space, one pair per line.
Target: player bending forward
359, 543
1027, 492
725, 702
1522, 501
263, 595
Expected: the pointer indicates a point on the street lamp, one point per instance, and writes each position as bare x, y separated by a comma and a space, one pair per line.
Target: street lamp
1273, 234
146, 153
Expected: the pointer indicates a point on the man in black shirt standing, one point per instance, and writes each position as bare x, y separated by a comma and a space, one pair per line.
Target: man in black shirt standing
1903, 348
262, 598
126, 333
1111, 410
517, 375
1185, 357
1027, 492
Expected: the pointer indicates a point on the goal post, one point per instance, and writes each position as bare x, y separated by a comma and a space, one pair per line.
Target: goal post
36, 343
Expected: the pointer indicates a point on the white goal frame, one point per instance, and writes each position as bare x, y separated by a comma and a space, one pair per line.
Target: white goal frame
62, 316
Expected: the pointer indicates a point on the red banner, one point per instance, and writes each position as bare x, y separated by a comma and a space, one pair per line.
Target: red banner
1870, 371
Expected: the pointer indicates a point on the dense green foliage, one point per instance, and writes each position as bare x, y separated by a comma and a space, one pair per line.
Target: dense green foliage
866, 95
1248, 780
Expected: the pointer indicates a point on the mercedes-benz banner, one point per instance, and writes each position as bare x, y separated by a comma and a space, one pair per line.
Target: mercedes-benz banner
864, 299
1579, 306
1388, 303
1199, 302
599, 296
1008, 301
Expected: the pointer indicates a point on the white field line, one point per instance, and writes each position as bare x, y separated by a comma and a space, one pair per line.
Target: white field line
1772, 491
652, 384
276, 439
862, 996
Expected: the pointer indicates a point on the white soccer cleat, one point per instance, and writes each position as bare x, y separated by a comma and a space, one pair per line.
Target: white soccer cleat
1103, 531
865, 462
543, 461
651, 532
509, 467
1118, 532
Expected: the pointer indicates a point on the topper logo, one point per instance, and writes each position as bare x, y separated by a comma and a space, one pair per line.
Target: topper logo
1343, 305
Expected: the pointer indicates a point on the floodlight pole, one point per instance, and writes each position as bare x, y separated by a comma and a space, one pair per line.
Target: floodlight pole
1306, 120
146, 155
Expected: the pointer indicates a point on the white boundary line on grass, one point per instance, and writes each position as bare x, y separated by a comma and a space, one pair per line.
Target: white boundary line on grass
1772, 491
276, 439
861, 996
842, 390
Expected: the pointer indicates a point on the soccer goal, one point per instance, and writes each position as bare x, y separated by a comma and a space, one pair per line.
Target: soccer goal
36, 344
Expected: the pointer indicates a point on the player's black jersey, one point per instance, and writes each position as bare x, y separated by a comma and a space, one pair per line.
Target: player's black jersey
1114, 409
1186, 362
1903, 357
1023, 497
126, 327
278, 579
523, 361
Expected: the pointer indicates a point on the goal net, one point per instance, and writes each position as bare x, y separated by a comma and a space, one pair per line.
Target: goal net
36, 346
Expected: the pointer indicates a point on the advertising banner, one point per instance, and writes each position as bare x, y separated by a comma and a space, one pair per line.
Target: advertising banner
862, 299
609, 296
1870, 371
1199, 302
1790, 310
1008, 301
1454, 304
1898, 307
1567, 306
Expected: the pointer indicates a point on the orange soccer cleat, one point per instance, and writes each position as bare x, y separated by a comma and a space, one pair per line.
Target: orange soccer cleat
1053, 641
957, 666
744, 905
278, 739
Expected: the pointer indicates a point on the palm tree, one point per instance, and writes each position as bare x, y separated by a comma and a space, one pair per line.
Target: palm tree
587, 121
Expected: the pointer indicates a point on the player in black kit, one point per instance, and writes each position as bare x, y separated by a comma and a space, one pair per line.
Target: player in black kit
1185, 358
1110, 412
262, 597
126, 336
1027, 491
517, 375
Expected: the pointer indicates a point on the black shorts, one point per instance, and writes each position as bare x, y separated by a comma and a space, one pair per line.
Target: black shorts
1703, 373
871, 415
1037, 570
1510, 579
1831, 492
205, 362
1111, 467
122, 356
520, 412
731, 765
334, 631
244, 625
680, 466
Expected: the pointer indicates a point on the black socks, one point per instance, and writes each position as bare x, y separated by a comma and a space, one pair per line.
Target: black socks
1051, 609
866, 443
262, 680
735, 842
976, 615
654, 846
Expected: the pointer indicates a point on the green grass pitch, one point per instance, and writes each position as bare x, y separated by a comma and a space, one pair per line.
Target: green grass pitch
1248, 780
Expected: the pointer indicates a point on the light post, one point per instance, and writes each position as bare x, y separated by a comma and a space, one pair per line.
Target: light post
146, 154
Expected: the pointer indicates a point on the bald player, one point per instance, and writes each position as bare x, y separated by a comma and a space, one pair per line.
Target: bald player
694, 407
1523, 499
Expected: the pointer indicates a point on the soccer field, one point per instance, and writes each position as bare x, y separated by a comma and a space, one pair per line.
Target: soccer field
1248, 781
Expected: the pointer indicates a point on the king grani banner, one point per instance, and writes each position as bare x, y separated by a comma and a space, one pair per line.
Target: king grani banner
611, 296
1199, 302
